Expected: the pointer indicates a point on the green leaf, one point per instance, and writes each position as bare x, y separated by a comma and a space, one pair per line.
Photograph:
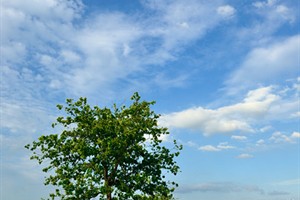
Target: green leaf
107, 153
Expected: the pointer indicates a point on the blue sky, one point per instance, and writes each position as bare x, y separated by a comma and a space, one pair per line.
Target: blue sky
225, 76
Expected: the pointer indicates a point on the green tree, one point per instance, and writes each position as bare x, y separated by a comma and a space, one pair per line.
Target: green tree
107, 153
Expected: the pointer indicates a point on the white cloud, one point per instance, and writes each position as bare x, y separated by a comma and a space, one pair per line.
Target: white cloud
266, 65
25, 118
70, 56
104, 59
206, 120
238, 137
279, 137
164, 81
295, 135
226, 11
220, 147
244, 156
271, 17
190, 20
260, 142
209, 148
225, 119
276, 140
261, 4
265, 128
191, 144
275, 11
94, 55
224, 146
296, 114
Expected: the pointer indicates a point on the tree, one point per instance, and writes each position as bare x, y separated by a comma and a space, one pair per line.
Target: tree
107, 153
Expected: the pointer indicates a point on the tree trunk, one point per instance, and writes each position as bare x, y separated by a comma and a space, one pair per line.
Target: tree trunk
108, 196
106, 178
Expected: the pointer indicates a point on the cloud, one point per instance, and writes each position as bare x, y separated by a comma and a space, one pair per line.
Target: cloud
273, 10
278, 193
220, 147
244, 156
219, 187
209, 148
261, 4
267, 65
236, 117
91, 55
295, 135
278, 137
269, 17
226, 11
258, 109
23, 175
191, 144
101, 47
238, 137
289, 182
224, 146
260, 142
265, 128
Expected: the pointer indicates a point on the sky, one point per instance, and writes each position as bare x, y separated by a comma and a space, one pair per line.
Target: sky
225, 75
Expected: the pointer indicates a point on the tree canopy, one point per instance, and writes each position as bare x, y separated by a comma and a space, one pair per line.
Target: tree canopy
105, 153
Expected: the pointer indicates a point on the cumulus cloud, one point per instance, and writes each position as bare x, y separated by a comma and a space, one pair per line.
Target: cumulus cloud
219, 147
236, 117
278, 137
295, 135
209, 148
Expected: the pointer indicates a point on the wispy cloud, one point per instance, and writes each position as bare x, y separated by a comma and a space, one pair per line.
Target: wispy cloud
264, 65
275, 10
103, 49
55, 49
220, 187
239, 137
270, 16
278, 193
289, 182
245, 156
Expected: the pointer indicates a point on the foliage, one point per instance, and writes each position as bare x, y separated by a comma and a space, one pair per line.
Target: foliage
107, 153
